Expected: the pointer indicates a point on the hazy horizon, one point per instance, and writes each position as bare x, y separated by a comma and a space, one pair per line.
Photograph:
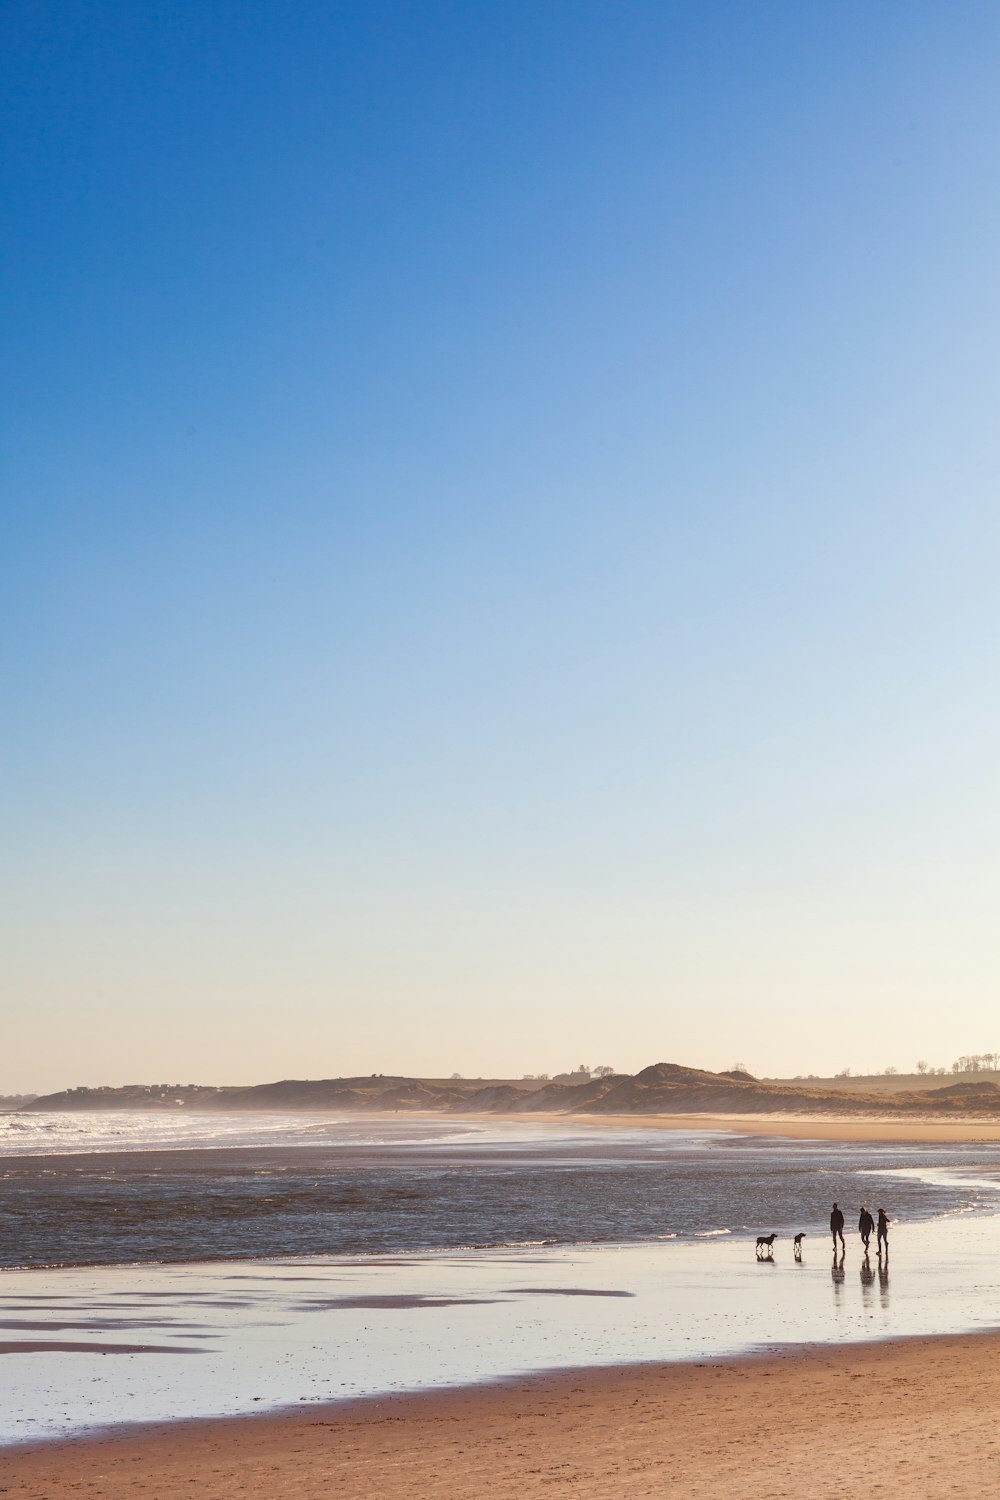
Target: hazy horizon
935, 1074
500, 538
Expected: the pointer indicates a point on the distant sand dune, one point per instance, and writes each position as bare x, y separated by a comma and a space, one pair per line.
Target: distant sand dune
662, 1089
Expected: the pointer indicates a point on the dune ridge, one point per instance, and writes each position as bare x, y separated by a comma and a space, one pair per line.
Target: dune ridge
662, 1088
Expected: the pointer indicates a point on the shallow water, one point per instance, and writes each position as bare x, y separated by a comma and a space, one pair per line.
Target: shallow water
608, 1245
250, 1336
287, 1185
59, 1132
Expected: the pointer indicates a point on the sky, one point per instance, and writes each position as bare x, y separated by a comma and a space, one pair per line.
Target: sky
499, 537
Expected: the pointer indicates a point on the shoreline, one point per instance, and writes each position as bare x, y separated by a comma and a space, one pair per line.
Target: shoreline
299, 1336
320, 1341
920, 1412
888, 1129
923, 1130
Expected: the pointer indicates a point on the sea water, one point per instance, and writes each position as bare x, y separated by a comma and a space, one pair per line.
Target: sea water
178, 1275
131, 1187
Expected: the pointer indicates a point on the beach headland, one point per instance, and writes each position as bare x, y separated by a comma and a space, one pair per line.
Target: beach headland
918, 1417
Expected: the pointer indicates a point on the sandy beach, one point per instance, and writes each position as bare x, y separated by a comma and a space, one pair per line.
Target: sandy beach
677, 1361
918, 1417
928, 1131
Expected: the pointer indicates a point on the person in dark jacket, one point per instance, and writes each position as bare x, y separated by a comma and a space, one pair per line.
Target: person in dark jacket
837, 1227
866, 1227
883, 1231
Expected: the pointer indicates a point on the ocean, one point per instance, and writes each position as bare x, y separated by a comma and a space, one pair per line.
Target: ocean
148, 1188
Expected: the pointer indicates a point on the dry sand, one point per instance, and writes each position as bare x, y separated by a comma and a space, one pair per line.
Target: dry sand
929, 1131
919, 1418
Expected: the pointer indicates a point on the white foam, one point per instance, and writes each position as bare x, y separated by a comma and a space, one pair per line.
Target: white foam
68, 1133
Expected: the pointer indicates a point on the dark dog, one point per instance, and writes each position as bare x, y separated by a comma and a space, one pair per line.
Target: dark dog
765, 1243
797, 1245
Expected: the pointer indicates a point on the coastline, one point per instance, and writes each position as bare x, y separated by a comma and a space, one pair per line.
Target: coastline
889, 1128
916, 1416
929, 1130
298, 1334
367, 1334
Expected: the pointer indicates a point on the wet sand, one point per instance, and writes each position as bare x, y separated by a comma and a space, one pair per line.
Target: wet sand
68, 1346
919, 1417
428, 1357
255, 1337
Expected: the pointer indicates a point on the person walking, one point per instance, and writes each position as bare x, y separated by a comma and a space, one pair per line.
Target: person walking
883, 1231
866, 1227
837, 1227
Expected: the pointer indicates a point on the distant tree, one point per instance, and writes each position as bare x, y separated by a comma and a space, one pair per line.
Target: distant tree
973, 1062
739, 1068
604, 1071
456, 1075
844, 1073
891, 1072
921, 1066
583, 1069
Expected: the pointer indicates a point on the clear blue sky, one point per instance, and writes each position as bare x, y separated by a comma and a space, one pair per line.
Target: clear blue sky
500, 536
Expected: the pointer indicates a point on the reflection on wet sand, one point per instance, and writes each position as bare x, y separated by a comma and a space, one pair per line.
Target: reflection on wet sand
837, 1274
867, 1275
316, 1331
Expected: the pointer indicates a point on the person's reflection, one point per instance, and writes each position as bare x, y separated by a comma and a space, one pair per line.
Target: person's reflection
867, 1281
837, 1275
883, 1278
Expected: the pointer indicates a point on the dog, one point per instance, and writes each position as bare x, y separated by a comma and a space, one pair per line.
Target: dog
797, 1245
765, 1244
